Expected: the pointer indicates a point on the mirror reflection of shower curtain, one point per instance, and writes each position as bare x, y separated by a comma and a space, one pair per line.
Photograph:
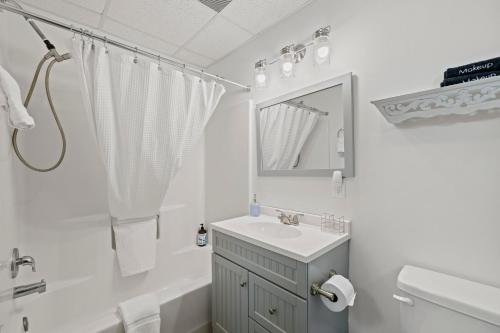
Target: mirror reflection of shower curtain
145, 121
284, 131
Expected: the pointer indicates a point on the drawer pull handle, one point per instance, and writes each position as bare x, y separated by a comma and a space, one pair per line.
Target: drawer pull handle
243, 284
272, 311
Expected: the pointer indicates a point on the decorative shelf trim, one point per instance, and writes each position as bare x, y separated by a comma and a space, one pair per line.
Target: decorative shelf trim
464, 98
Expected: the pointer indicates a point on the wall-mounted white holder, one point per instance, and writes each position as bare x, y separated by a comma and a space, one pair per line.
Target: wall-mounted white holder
338, 185
461, 99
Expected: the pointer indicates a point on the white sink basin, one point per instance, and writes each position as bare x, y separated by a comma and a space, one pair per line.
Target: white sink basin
304, 242
275, 230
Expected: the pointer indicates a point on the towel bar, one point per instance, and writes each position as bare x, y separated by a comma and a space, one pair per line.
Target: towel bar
316, 290
113, 241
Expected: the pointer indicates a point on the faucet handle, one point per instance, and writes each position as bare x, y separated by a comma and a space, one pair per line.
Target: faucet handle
20, 261
295, 218
281, 213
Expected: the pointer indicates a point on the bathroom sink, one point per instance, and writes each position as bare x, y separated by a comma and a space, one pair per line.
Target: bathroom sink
273, 230
304, 242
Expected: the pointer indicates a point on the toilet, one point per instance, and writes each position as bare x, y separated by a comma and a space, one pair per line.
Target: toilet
432, 302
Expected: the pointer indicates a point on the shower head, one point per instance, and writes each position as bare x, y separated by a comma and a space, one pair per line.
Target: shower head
35, 27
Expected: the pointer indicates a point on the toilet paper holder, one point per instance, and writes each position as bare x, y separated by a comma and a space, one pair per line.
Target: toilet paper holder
317, 291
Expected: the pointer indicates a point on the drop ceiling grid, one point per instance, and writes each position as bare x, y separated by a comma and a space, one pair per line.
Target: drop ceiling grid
185, 29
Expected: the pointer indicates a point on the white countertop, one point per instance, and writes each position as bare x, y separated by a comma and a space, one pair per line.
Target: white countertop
304, 242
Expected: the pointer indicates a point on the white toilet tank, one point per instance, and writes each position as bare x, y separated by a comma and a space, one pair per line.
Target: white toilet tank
432, 302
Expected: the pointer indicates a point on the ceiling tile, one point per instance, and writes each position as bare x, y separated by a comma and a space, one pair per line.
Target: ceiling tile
218, 38
175, 21
193, 58
94, 5
257, 15
135, 36
67, 11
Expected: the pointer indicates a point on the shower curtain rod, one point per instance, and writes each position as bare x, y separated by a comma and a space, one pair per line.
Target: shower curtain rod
307, 107
105, 39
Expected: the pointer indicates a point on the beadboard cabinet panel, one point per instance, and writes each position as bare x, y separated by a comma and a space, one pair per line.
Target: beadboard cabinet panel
285, 272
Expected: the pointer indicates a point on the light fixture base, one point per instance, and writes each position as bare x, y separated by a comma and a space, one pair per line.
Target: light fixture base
299, 52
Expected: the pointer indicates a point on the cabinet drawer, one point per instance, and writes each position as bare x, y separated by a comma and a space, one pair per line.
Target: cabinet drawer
275, 309
253, 327
286, 272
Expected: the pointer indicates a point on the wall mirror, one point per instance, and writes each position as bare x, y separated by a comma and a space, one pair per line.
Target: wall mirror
308, 132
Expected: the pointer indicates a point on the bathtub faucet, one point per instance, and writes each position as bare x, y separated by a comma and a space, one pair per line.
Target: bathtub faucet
28, 289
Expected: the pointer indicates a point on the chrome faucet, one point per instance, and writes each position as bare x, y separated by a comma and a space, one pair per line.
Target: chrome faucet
28, 289
290, 219
20, 261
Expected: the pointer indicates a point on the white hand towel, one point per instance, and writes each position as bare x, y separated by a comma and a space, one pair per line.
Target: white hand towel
18, 115
141, 314
135, 241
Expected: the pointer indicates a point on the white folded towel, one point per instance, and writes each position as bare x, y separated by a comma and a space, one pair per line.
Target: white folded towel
141, 314
135, 241
12, 102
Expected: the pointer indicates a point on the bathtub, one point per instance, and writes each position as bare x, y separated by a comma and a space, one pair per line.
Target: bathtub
84, 284
184, 308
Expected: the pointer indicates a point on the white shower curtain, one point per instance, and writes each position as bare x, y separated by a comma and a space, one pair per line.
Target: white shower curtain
284, 130
145, 121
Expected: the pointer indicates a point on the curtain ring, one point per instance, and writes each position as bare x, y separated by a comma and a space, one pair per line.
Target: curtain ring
81, 34
92, 40
159, 62
183, 69
135, 55
106, 44
73, 31
202, 74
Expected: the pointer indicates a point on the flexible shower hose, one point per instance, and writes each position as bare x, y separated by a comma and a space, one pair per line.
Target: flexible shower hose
52, 109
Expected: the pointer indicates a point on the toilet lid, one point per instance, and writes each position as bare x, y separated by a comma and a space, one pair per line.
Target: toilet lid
471, 298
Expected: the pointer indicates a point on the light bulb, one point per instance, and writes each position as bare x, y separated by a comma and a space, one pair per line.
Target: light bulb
323, 51
260, 74
287, 67
322, 46
260, 78
287, 61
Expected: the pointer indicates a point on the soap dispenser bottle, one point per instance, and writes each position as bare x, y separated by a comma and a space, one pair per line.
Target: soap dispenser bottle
202, 238
254, 207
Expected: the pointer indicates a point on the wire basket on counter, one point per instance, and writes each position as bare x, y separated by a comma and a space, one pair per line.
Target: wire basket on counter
333, 224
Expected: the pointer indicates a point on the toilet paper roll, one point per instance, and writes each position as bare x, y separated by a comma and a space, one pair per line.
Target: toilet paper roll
344, 290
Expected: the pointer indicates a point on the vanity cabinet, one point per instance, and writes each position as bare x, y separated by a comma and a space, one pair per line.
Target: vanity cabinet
230, 296
256, 290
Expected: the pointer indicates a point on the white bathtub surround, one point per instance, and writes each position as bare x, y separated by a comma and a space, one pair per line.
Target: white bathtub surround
141, 314
304, 242
145, 119
11, 101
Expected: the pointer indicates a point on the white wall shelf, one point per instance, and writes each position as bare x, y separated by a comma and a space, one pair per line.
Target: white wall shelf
461, 99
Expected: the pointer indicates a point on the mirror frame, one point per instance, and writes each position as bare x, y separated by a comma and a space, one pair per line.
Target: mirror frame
348, 171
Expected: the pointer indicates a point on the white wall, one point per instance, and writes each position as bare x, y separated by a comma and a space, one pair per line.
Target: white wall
63, 224
425, 194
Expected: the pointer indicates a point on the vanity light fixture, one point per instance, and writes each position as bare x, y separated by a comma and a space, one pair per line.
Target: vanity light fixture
260, 74
292, 54
287, 61
322, 45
